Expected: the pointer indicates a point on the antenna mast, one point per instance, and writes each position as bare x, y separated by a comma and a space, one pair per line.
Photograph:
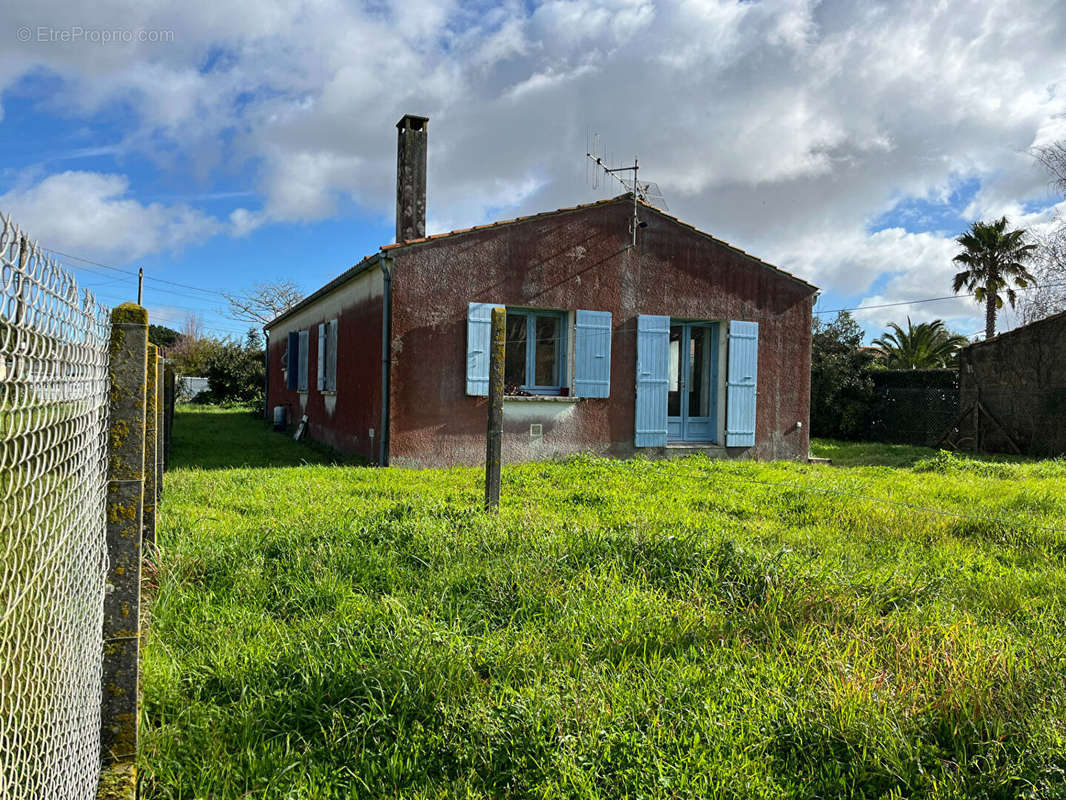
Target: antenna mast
614, 173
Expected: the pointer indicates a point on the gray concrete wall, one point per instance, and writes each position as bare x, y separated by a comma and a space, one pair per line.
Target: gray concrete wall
1020, 377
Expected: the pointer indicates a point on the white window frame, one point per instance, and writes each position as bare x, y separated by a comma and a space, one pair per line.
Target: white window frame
563, 358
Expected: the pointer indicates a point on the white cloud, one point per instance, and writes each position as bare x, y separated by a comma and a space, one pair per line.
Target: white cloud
785, 126
920, 266
89, 214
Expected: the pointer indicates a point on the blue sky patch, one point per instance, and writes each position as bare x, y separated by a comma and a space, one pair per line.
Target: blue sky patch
930, 214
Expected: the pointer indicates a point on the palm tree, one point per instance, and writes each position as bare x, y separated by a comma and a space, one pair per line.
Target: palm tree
927, 345
993, 257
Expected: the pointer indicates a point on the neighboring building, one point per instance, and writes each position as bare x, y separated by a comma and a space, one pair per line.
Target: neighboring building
680, 341
190, 386
1020, 378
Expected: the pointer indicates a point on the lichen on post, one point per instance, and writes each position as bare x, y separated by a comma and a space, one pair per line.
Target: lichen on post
151, 446
160, 428
494, 437
128, 365
169, 398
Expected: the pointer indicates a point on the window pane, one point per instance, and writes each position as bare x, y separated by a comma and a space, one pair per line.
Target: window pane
699, 372
547, 349
514, 361
673, 398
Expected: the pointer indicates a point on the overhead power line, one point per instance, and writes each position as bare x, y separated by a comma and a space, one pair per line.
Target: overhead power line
212, 293
163, 290
900, 303
929, 299
134, 274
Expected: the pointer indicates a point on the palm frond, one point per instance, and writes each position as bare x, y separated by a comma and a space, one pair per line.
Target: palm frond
995, 257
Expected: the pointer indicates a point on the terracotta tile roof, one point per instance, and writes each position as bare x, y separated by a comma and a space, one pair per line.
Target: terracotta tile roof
501, 222
627, 198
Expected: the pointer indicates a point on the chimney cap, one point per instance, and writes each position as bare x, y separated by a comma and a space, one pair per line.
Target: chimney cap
412, 121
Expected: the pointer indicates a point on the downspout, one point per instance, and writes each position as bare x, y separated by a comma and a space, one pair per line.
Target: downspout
266, 374
386, 359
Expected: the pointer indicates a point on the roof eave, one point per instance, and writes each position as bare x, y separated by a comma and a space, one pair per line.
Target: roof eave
353, 272
628, 198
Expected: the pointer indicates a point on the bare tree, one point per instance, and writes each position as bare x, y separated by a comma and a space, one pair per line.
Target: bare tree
263, 302
1053, 157
1049, 264
192, 326
194, 347
1049, 268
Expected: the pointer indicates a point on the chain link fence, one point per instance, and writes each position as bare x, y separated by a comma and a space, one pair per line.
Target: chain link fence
53, 491
912, 406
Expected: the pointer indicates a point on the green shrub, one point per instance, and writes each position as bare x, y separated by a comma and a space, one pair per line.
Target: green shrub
841, 388
236, 372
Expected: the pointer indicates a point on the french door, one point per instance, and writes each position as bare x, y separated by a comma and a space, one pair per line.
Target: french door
692, 399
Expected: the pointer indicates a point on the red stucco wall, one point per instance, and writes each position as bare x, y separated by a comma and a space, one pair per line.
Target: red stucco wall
575, 260
342, 419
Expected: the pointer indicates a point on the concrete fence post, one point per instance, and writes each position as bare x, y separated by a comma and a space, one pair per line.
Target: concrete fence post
169, 388
494, 437
160, 428
151, 447
128, 362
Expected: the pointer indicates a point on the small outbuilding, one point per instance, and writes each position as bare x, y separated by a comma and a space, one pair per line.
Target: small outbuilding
1016, 383
665, 341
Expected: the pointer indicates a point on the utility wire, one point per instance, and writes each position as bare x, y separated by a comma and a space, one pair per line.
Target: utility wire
134, 274
130, 273
173, 292
109, 295
931, 299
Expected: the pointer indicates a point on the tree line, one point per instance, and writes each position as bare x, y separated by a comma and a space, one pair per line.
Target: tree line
235, 369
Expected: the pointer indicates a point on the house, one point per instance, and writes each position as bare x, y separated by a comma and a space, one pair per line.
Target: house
675, 343
1019, 379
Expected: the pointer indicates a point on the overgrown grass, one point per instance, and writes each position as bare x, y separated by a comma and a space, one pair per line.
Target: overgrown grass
865, 454
212, 437
622, 629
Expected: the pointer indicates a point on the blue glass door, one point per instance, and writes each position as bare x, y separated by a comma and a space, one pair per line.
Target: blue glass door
692, 401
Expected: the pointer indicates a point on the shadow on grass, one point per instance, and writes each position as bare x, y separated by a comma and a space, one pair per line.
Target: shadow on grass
869, 454
212, 437
878, 454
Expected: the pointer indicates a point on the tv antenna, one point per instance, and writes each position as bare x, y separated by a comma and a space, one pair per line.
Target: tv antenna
645, 192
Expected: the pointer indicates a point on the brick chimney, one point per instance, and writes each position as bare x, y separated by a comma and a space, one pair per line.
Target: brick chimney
411, 178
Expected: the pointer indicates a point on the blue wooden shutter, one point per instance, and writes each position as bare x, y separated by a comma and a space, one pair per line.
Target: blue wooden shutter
653, 357
478, 333
293, 361
331, 356
321, 377
304, 356
592, 351
741, 382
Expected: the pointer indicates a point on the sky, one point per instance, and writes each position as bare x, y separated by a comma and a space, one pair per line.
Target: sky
217, 144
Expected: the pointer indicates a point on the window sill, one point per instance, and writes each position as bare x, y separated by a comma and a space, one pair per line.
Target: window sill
539, 398
328, 392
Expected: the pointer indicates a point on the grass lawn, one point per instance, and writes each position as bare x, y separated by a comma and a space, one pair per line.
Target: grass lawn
622, 629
